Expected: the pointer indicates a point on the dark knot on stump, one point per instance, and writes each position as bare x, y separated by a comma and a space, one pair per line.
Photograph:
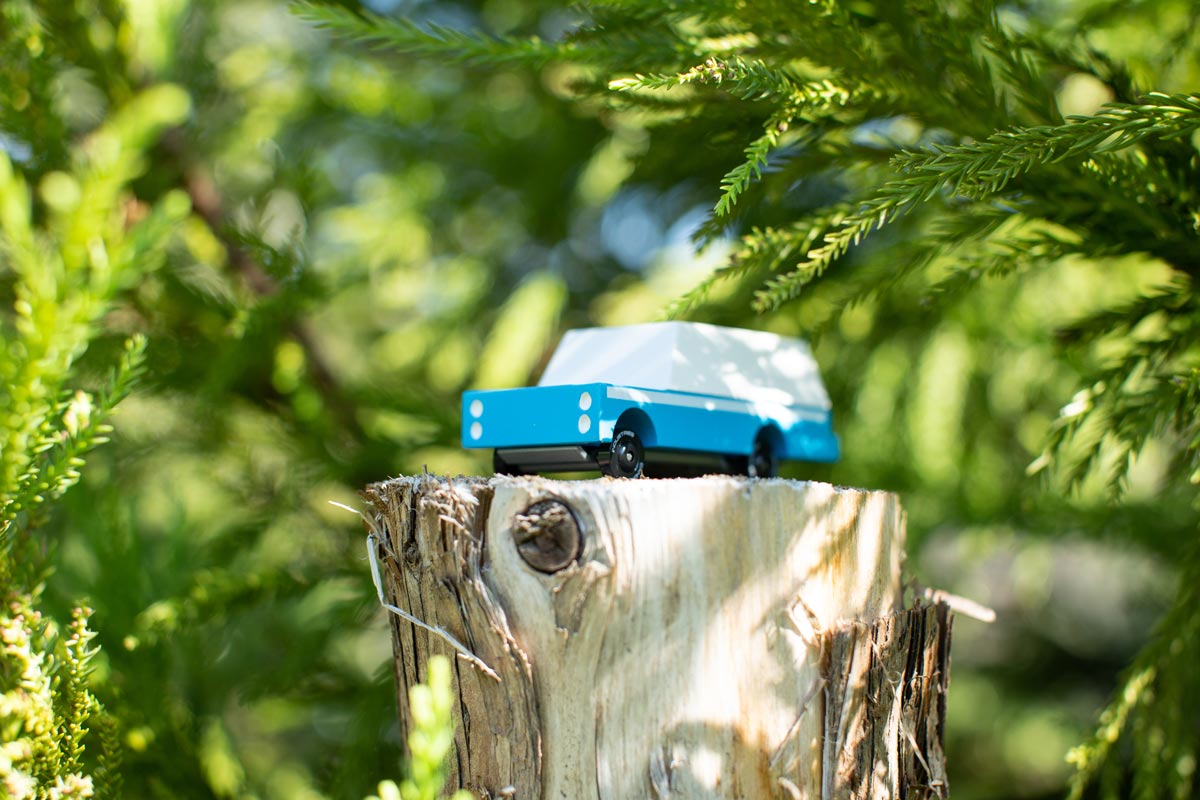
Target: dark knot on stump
548, 535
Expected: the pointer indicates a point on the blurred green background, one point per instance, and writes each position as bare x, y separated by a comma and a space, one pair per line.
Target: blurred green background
351, 236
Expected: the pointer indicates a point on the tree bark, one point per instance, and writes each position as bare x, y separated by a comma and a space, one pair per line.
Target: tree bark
710, 638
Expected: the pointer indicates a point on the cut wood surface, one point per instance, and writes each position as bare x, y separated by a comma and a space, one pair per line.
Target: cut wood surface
716, 637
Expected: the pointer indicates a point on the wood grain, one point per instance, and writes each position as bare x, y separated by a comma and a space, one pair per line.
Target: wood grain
691, 650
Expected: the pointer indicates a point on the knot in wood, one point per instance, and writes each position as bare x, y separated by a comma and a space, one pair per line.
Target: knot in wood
412, 552
548, 535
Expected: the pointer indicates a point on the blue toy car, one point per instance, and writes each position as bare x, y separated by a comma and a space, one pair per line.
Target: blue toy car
665, 398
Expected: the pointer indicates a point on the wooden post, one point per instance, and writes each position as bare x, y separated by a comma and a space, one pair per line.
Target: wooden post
716, 637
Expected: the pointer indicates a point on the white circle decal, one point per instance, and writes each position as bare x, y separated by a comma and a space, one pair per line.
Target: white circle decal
476, 430
585, 401
585, 423
476, 408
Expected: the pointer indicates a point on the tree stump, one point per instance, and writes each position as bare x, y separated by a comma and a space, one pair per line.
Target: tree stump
717, 637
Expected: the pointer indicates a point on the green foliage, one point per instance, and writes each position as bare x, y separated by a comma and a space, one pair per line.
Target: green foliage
57, 452
46, 707
430, 39
430, 740
919, 153
67, 252
1153, 713
988, 213
298, 320
979, 171
63, 275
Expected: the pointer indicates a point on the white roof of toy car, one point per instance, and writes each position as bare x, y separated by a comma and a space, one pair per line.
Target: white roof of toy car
691, 357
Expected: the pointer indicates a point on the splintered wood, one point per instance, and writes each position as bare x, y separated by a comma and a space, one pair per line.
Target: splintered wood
710, 638
885, 706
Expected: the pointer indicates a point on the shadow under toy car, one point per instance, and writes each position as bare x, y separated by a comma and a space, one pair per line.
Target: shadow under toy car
666, 399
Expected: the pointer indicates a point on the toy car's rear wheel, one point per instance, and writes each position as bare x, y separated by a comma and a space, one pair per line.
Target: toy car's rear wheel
762, 460
625, 458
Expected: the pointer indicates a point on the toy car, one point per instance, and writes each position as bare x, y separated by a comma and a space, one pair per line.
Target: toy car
663, 398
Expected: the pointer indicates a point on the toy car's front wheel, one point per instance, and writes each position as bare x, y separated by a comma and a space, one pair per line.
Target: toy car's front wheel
762, 460
625, 457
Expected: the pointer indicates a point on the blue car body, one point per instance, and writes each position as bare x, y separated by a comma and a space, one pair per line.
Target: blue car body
693, 395
587, 415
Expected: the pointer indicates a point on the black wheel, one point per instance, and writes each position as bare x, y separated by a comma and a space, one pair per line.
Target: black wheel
762, 460
625, 458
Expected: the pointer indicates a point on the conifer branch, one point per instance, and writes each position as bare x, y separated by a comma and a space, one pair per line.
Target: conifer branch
890, 201
747, 79
205, 197
978, 170
957, 252
740, 177
1147, 390
1154, 698
754, 80
430, 39
79, 426
762, 250
1175, 299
